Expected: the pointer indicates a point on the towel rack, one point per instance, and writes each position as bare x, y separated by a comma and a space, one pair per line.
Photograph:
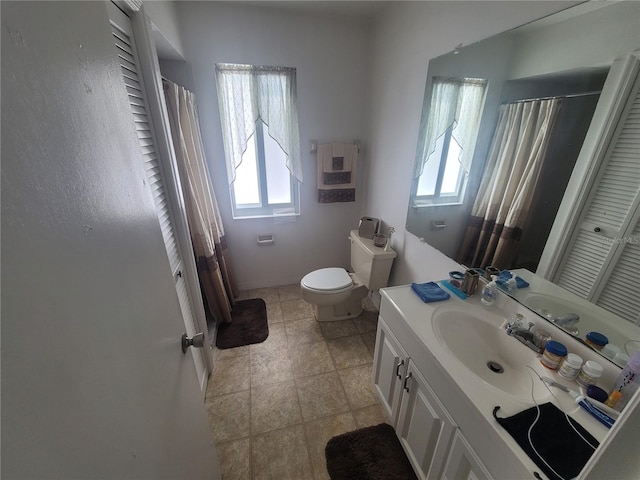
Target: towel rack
313, 145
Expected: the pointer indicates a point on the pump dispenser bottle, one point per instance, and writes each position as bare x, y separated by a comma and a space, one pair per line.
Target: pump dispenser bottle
489, 292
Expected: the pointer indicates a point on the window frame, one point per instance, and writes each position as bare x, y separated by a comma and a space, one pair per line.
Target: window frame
264, 208
437, 198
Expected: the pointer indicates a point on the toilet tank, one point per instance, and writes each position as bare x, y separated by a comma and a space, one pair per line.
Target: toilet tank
370, 264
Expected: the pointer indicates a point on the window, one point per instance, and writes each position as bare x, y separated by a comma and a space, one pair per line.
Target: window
261, 140
447, 139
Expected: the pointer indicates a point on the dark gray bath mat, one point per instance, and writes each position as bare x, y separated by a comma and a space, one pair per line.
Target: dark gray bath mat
248, 325
372, 453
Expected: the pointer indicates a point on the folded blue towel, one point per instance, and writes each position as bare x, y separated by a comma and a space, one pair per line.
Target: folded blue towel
429, 292
456, 291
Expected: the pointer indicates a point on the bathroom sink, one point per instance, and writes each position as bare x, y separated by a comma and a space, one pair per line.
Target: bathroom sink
478, 341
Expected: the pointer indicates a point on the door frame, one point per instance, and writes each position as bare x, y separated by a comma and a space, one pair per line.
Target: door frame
152, 79
613, 99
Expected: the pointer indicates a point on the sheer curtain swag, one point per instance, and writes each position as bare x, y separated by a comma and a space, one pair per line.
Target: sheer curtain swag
247, 93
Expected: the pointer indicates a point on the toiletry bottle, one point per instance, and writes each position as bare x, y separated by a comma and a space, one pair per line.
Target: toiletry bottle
626, 384
589, 374
490, 291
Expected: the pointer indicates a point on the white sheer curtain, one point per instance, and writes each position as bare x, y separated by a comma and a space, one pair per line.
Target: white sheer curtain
504, 198
247, 93
454, 102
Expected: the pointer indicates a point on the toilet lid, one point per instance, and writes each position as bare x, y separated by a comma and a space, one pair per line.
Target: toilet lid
327, 279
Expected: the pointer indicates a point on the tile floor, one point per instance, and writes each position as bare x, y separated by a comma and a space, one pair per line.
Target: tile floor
273, 406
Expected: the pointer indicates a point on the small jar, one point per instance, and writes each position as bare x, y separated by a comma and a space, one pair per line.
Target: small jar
610, 351
589, 374
596, 340
570, 366
554, 353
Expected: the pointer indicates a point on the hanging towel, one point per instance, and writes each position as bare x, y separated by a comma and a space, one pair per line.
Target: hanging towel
337, 172
430, 292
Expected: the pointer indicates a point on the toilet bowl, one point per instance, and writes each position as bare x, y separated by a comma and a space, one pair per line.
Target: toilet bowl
337, 294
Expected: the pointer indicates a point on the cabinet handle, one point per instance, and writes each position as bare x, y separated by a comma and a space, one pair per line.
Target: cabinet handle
398, 369
405, 386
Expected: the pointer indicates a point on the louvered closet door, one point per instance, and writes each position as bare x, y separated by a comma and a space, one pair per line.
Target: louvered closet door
127, 56
602, 263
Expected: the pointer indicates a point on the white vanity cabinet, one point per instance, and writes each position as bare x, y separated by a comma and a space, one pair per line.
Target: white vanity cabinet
422, 423
441, 442
389, 370
424, 427
463, 463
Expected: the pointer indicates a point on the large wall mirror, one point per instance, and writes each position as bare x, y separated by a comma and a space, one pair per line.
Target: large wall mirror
528, 159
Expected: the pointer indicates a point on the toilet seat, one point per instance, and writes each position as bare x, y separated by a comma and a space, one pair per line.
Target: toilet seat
327, 281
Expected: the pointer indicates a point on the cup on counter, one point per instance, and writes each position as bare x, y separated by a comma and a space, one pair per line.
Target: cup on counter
470, 281
489, 271
379, 239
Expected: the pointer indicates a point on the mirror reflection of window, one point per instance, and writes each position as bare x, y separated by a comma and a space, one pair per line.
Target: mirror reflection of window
447, 139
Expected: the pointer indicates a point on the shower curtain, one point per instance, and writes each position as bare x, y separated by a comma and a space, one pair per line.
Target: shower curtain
205, 224
510, 176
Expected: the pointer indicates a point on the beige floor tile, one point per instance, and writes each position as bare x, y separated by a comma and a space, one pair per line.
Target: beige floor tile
295, 310
268, 294
275, 342
318, 433
289, 292
305, 330
269, 367
340, 328
281, 455
274, 406
358, 386
219, 353
274, 313
369, 416
367, 321
321, 395
229, 416
235, 459
349, 351
230, 374
310, 359
369, 339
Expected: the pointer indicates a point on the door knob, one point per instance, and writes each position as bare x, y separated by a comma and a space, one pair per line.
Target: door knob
196, 341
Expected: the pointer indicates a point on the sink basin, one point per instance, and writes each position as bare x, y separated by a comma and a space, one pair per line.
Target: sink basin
477, 340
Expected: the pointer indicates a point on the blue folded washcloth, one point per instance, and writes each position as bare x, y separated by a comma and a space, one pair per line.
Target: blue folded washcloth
506, 275
429, 292
455, 290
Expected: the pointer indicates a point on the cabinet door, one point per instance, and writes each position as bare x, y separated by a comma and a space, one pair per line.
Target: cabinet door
424, 426
389, 367
463, 463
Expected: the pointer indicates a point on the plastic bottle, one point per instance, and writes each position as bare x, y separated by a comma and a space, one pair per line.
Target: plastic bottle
589, 374
490, 291
570, 366
626, 384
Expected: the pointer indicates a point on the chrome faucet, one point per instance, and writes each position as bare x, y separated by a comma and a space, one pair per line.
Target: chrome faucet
520, 329
566, 320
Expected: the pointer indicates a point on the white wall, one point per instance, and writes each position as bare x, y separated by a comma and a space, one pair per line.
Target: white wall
406, 36
330, 55
162, 14
589, 40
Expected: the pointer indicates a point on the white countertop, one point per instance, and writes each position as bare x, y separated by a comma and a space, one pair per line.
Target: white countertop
479, 394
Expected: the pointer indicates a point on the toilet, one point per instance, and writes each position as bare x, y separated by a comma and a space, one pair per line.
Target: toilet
337, 294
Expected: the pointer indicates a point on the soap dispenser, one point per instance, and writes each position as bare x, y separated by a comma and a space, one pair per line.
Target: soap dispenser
489, 292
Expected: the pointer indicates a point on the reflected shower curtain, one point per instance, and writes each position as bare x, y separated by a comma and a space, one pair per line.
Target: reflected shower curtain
506, 190
205, 224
